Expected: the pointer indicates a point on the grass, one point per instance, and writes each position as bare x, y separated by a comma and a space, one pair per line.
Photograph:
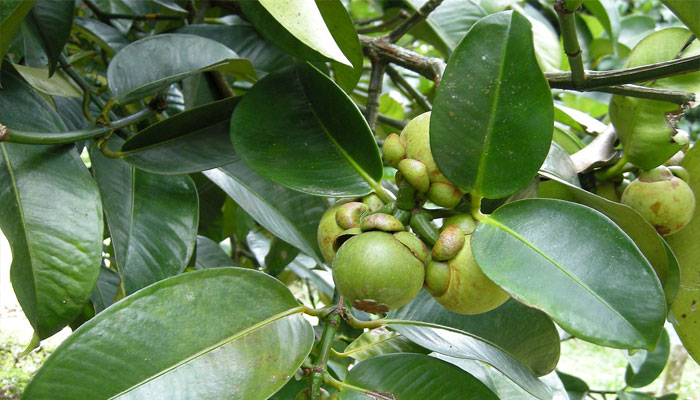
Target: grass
15, 372
604, 369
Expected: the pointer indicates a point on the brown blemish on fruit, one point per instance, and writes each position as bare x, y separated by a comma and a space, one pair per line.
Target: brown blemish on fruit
682, 315
370, 306
662, 229
655, 207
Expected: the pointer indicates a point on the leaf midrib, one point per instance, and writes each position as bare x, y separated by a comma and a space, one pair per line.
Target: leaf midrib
490, 220
213, 347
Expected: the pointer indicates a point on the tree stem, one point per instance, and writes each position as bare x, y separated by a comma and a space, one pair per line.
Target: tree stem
401, 16
330, 327
643, 92
374, 92
567, 23
416, 18
393, 122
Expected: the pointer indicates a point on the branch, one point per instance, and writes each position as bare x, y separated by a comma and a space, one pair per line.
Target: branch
419, 16
384, 119
145, 17
400, 81
567, 24
374, 92
430, 67
643, 92
330, 328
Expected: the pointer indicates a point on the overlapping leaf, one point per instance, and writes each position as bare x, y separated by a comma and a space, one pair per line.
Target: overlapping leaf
568, 260
167, 58
492, 119
51, 215
191, 141
53, 21
153, 235
177, 339
317, 137
289, 215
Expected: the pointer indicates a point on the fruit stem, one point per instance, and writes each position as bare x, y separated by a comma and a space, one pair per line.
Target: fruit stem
320, 312
330, 380
405, 200
330, 328
613, 171
475, 207
421, 225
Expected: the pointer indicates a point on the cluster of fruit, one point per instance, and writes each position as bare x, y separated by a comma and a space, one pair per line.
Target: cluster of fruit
378, 265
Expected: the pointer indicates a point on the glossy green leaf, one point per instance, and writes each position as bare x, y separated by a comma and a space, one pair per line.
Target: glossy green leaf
289, 215
211, 255
527, 334
50, 214
413, 376
633, 224
167, 58
672, 282
12, 13
53, 21
57, 85
242, 38
623, 395
106, 289
341, 27
686, 246
576, 387
378, 342
191, 141
296, 27
153, 235
317, 137
305, 268
108, 37
607, 14
567, 139
645, 126
578, 120
686, 11
280, 255
493, 140
635, 28
569, 260
216, 333
645, 366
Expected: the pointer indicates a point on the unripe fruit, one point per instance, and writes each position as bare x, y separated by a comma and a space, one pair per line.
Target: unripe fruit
393, 150
444, 194
664, 200
416, 173
460, 286
464, 221
372, 201
381, 222
328, 230
375, 272
416, 137
449, 243
348, 215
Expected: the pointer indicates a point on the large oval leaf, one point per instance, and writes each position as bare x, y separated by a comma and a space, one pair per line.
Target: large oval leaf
215, 333
343, 30
493, 114
51, 215
12, 13
413, 376
108, 37
378, 342
53, 21
528, 335
152, 220
571, 261
242, 38
645, 366
289, 215
167, 58
296, 27
686, 245
686, 11
317, 137
210, 255
191, 141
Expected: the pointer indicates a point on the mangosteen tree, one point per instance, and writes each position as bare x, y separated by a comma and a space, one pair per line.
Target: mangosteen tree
349, 199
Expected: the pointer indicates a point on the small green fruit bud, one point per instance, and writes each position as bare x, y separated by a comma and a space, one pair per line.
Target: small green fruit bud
373, 202
664, 200
344, 236
444, 194
348, 215
437, 278
328, 230
449, 243
381, 222
464, 221
416, 173
393, 150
